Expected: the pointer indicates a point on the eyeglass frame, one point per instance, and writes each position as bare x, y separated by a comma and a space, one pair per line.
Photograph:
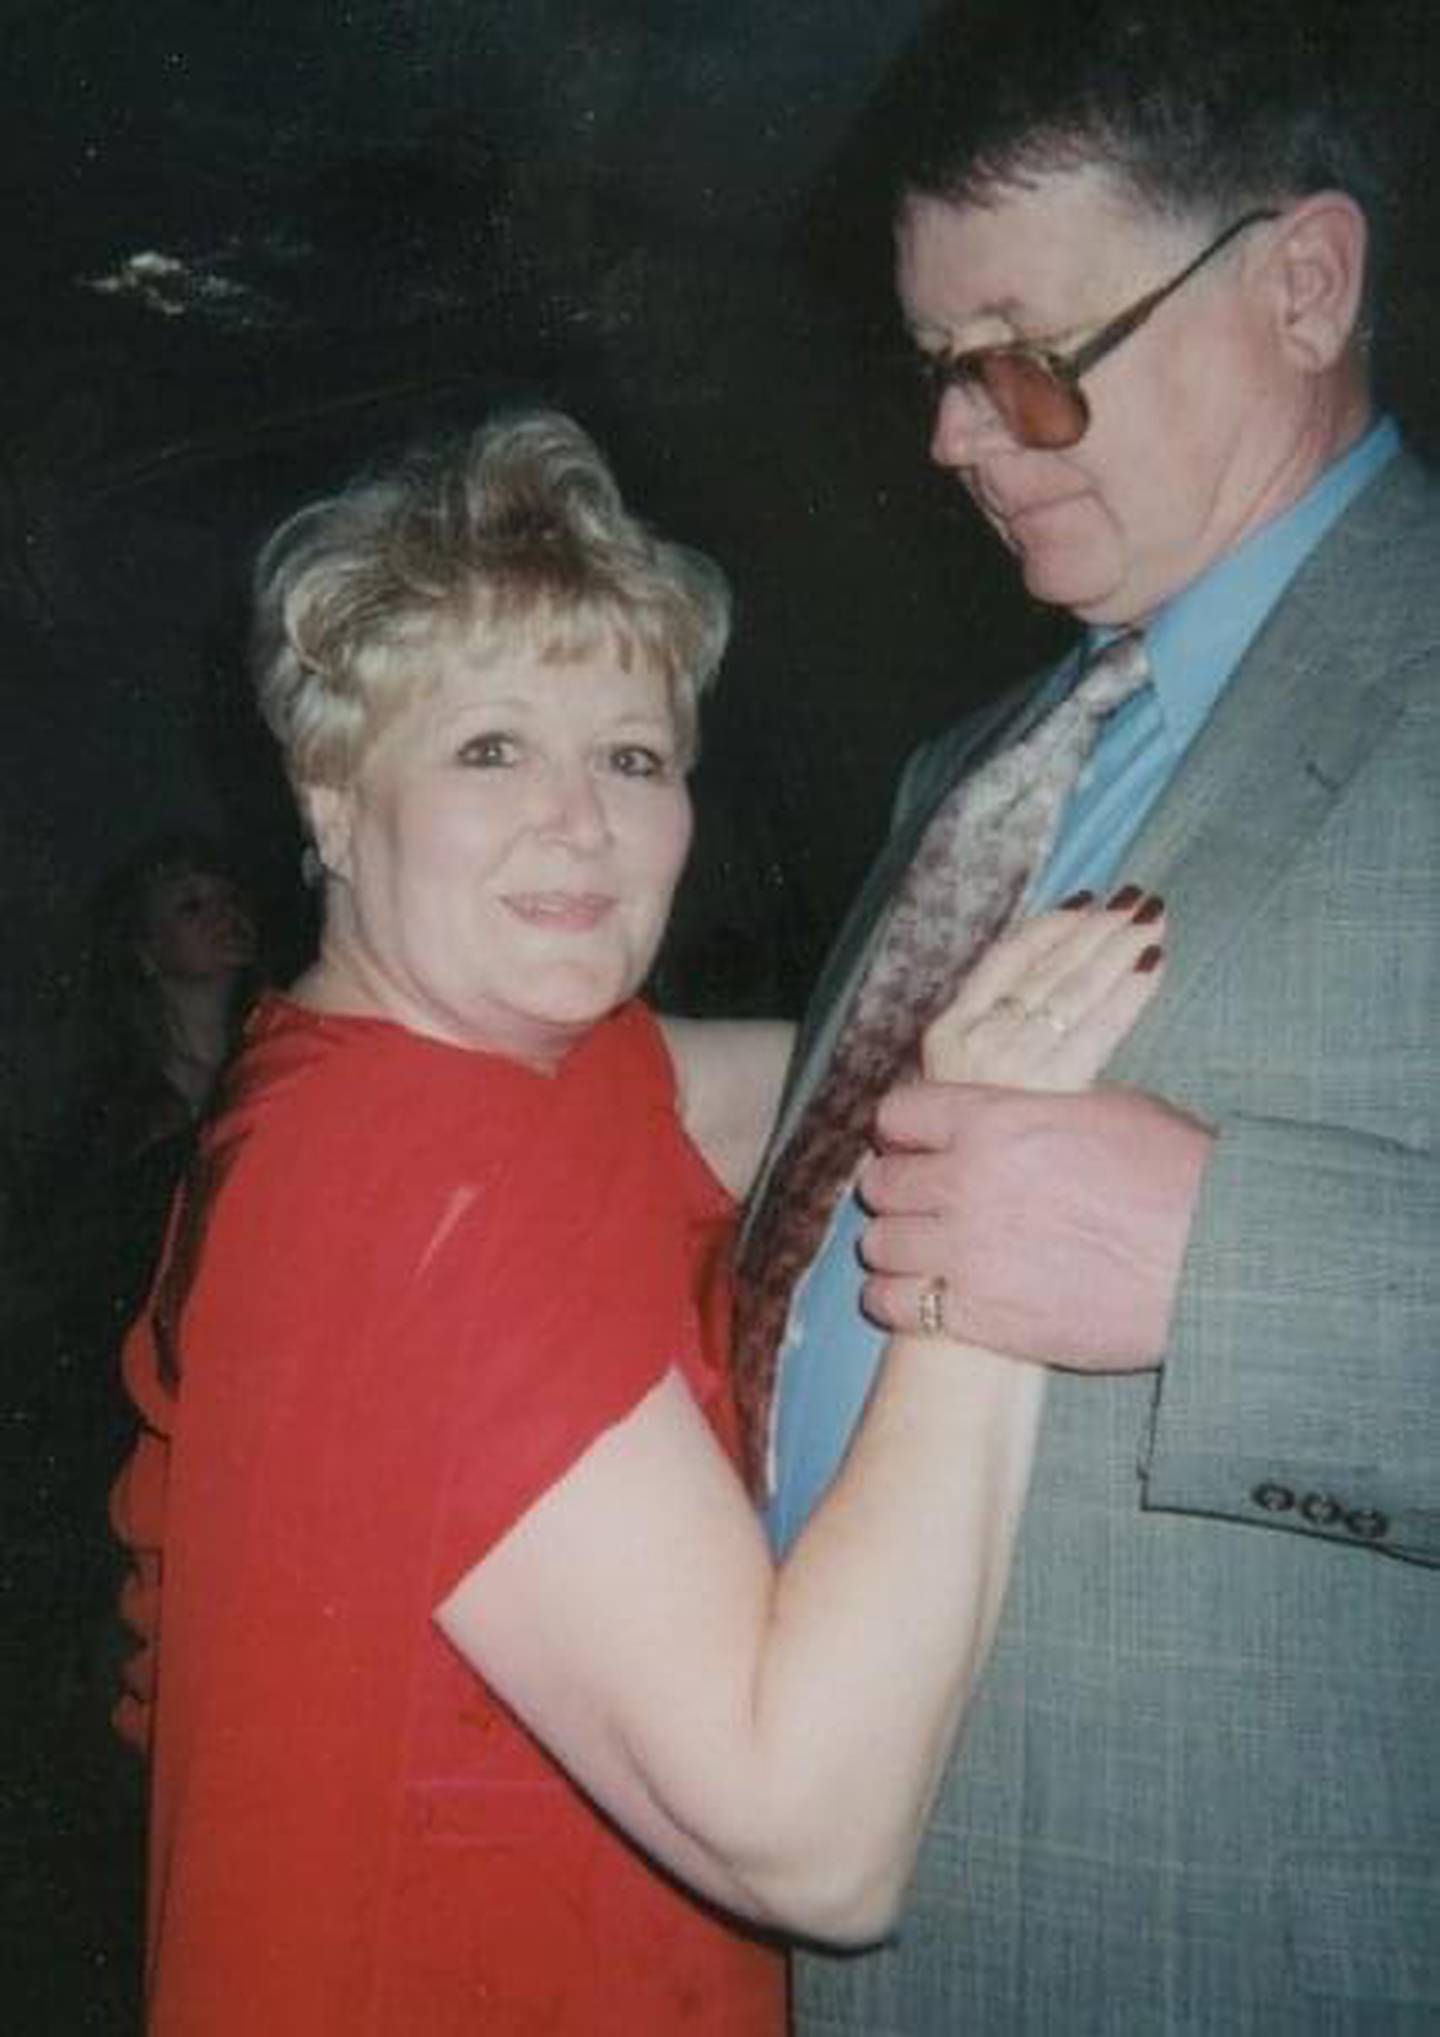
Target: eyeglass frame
942, 372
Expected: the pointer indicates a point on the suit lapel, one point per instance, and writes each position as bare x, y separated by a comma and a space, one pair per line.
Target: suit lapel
1317, 691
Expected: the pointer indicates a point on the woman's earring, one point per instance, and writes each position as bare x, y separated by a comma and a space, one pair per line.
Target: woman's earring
312, 867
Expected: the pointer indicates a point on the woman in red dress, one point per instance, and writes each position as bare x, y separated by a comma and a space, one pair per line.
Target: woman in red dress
465, 1649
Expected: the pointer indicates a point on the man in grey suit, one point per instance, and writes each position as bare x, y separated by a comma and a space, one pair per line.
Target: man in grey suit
1198, 1792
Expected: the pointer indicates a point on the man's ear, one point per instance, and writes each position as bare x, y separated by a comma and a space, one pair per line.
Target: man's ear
328, 812
1317, 270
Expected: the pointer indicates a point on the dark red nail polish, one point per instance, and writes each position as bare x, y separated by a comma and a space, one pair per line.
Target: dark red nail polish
1149, 960
1125, 897
1077, 901
1148, 911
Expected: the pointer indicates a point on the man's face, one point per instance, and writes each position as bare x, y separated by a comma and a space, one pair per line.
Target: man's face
1196, 431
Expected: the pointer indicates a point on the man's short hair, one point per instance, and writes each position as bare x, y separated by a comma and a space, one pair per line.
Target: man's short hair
1201, 108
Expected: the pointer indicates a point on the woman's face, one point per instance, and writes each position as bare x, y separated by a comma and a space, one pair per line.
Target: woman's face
507, 852
197, 927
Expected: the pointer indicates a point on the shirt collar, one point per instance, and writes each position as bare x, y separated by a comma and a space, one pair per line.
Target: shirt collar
1196, 641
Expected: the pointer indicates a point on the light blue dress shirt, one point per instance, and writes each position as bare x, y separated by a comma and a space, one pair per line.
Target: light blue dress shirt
1195, 644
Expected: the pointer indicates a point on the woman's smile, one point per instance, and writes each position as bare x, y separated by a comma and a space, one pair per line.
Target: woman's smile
561, 911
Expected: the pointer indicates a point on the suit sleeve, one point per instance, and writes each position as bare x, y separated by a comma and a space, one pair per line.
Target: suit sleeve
1301, 1390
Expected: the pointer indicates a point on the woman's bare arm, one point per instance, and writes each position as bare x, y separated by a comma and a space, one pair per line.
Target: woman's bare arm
775, 1738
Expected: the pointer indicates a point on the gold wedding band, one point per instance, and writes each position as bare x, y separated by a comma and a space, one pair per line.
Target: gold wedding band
932, 1307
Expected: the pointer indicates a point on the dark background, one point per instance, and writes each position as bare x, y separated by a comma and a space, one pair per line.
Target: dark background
248, 246
376, 219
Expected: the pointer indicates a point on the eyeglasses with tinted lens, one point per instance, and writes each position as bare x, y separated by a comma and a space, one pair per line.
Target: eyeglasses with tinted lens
1035, 391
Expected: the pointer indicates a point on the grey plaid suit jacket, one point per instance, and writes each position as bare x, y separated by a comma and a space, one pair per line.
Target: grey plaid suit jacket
1200, 1789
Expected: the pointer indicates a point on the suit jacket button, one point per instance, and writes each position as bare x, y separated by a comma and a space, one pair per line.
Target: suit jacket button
1320, 1510
1276, 1499
1368, 1523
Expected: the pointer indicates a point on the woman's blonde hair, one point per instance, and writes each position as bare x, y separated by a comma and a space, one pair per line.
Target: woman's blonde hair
513, 539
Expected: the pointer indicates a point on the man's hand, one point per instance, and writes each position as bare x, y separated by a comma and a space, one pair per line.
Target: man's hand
1058, 1222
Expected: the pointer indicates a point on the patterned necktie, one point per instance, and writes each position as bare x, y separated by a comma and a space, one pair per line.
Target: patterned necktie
989, 836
